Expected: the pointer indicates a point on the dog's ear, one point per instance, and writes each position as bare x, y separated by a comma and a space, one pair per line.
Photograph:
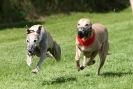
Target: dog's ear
27, 29
39, 29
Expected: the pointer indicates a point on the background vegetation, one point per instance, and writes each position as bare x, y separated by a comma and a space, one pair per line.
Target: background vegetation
29, 10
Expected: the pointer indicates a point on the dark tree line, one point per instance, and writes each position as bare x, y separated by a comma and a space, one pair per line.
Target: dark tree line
20, 10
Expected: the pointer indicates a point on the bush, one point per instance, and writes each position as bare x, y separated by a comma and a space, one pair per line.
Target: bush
21, 10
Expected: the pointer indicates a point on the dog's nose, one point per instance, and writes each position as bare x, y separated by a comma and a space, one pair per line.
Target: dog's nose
82, 28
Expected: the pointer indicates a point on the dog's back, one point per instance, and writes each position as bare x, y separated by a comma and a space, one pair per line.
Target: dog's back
102, 35
100, 31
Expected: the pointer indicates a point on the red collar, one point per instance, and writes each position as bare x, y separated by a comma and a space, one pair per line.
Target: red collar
87, 42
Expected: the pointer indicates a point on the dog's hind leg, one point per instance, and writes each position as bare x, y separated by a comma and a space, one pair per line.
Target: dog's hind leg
102, 55
102, 60
56, 51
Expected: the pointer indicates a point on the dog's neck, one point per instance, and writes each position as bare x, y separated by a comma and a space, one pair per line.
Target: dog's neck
40, 37
86, 41
89, 36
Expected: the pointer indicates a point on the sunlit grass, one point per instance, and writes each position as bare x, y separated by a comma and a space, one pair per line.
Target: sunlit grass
117, 72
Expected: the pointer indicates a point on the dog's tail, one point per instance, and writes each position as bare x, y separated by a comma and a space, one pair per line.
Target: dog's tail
56, 51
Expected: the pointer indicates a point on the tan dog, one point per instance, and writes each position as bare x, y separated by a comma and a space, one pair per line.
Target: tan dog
91, 40
40, 43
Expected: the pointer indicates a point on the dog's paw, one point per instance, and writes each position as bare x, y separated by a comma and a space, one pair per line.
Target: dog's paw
35, 71
82, 67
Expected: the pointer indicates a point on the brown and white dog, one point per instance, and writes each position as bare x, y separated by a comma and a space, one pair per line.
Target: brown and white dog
92, 39
40, 43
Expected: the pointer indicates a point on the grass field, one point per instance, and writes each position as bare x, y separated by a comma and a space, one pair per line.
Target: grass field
117, 72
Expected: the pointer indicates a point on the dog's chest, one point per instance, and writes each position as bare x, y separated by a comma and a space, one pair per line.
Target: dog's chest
37, 51
87, 51
87, 54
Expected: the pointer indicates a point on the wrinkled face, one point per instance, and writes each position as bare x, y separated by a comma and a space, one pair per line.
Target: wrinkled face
32, 42
84, 28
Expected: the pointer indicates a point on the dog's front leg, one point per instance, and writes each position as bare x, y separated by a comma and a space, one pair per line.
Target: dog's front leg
91, 60
84, 63
42, 57
29, 60
77, 58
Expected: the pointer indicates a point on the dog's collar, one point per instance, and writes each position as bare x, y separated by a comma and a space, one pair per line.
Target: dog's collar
86, 42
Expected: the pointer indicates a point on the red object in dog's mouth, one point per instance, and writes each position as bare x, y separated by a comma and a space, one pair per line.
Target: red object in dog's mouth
86, 42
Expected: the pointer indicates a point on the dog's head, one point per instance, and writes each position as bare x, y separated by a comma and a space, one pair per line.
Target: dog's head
33, 37
84, 27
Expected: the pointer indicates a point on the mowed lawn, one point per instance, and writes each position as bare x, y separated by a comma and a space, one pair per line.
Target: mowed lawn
117, 73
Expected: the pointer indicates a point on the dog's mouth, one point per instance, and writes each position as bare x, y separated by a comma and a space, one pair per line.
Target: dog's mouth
81, 34
31, 52
84, 33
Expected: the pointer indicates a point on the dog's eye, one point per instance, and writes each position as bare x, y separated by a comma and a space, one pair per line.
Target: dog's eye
34, 40
86, 24
27, 41
78, 24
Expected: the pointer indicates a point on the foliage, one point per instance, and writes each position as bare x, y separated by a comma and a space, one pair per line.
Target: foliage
21, 10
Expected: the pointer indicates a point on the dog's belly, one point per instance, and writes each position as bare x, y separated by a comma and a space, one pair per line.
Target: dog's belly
87, 54
87, 51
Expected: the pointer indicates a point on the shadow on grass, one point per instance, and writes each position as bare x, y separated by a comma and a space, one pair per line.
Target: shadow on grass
87, 75
117, 74
59, 80
18, 24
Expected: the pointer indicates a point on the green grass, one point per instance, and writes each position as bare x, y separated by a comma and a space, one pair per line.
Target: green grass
117, 72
